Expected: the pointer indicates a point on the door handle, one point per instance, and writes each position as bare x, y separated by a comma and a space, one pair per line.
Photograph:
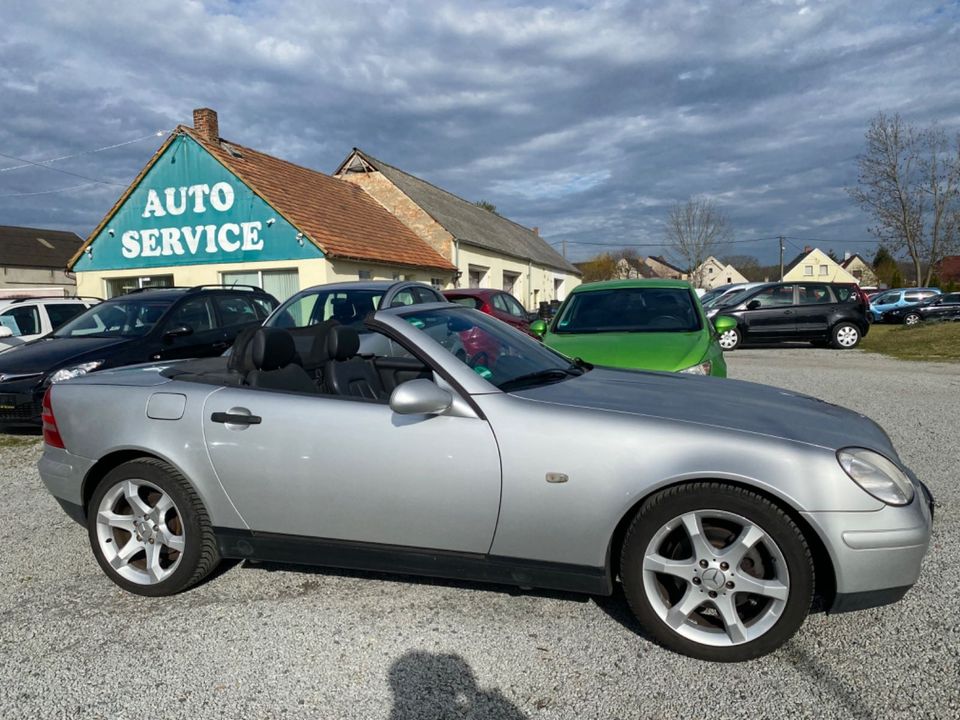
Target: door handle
235, 418
788, 312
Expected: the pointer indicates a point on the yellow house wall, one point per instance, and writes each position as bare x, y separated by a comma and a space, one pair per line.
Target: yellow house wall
816, 258
535, 284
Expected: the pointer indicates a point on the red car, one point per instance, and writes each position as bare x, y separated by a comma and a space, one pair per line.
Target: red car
501, 305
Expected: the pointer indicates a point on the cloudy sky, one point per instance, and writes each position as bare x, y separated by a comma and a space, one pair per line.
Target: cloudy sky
588, 120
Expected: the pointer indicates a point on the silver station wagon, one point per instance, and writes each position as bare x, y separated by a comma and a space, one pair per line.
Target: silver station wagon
457, 446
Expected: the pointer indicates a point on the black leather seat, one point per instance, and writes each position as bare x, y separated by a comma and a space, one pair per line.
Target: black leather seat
273, 352
346, 374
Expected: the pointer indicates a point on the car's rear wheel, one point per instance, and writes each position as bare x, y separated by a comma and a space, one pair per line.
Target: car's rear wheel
716, 572
911, 319
149, 530
845, 336
730, 340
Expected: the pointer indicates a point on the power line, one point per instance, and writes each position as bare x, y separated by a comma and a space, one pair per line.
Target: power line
50, 192
652, 244
64, 172
31, 163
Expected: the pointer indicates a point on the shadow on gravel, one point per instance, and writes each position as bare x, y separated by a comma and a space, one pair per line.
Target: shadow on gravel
429, 685
824, 677
616, 607
418, 580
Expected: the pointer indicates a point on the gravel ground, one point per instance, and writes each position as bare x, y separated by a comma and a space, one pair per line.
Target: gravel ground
265, 642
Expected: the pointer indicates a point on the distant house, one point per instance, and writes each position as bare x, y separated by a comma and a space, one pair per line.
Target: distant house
815, 265
35, 257
861, 270
662, 268
633, 269
949, 270
713, 273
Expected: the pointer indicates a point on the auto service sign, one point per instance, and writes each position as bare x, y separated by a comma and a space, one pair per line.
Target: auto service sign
190, 209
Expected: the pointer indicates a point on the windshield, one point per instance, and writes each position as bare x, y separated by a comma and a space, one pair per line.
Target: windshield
311, 307
735, 298
126, 317
709, 298
494, 350
630, 309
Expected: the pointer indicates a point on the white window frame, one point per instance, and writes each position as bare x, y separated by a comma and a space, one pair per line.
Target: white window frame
824, 270
259, 273
808, 270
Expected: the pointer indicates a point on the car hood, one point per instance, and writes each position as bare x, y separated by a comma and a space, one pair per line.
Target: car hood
49, 353
669, 351
730, 404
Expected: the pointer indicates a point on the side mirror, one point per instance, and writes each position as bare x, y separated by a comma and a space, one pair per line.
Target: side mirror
177, 331
538, 328
723, 323
5, 331
753, 305
420, 397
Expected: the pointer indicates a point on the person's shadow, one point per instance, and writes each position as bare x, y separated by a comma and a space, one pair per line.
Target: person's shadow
428, 685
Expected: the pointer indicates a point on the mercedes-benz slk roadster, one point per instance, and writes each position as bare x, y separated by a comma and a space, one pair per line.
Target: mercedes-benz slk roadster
725, 509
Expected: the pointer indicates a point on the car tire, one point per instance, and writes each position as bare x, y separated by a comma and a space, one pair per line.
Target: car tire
845, 336
149, 529
690, 599
912, 319
730, 340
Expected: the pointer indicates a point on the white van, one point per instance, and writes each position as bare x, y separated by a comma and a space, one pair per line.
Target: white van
29, 318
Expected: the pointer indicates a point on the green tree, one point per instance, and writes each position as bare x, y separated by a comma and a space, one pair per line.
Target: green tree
487, 206
599, 267
885, 268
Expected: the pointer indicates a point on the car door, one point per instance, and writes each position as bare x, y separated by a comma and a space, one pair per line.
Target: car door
815, 305
27, 320
501, 311
235, 313
518, 316
944, 307
60, 314
190, 330
769, 314
352, 470
886, 301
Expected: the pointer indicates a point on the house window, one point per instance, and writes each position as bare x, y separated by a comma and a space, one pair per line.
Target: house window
858, 274
279, 283
558, 288
364, 274
119, 286
437, 283
808, 270
477, 276
823, 270
510, 282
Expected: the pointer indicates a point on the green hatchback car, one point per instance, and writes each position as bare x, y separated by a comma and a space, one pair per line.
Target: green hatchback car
638, 325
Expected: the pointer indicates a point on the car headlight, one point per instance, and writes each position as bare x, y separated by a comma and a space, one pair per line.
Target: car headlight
703, 368
876, 475
73, 371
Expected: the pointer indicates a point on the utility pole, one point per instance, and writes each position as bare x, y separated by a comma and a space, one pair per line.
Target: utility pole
781, 239
564, 249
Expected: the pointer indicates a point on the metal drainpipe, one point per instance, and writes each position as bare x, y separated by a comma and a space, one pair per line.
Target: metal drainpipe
529, 283
456, 262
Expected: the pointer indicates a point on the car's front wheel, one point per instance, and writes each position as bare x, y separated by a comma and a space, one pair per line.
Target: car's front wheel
730, 340
149, 530
911, 319
845, 336
716, 572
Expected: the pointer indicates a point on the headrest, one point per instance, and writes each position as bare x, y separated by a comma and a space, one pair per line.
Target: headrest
318, 348
273, 348
241, 354
343, 343
344, 310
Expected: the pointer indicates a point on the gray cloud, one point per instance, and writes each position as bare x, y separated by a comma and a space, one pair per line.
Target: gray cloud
588, 121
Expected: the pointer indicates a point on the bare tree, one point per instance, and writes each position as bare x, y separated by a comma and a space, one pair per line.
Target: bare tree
908, 182
696, 230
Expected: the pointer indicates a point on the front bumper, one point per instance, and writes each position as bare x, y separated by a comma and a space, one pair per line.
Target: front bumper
876, 555
20, 404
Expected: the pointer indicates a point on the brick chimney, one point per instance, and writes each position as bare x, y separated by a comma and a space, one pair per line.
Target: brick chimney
536, 230
205, 123
806, 248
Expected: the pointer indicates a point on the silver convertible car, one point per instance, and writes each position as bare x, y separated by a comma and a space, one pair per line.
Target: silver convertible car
461, 448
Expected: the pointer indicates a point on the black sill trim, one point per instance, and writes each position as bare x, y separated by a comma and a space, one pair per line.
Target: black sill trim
297, 549
847, 602
75, 512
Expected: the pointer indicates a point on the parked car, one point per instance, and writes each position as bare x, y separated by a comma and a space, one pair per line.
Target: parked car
29, 318
720, 296
637, 324
899, 298
498, 303
938, 307
722, 508
141, 326
822, 313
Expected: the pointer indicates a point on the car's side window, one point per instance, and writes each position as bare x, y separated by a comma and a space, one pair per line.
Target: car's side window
813, 295
499, 303
26, 317
235, 310
513, 307
195, 313
470, 302
887, 299
60, 313
773, 297
426, 295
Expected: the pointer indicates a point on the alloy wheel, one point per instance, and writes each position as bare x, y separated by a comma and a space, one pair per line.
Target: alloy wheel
139, 531
911, 319
716, 578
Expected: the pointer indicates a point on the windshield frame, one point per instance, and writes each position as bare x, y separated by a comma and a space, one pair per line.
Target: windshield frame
127, 299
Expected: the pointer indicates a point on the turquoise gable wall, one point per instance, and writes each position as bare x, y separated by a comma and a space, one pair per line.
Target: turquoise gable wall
189, 209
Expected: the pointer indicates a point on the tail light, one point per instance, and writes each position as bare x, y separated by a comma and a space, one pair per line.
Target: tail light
51, 433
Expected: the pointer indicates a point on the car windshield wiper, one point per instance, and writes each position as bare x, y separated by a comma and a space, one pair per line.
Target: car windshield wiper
555, 374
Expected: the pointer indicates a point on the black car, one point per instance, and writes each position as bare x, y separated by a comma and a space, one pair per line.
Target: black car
822, 313
941, 307
141, 326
